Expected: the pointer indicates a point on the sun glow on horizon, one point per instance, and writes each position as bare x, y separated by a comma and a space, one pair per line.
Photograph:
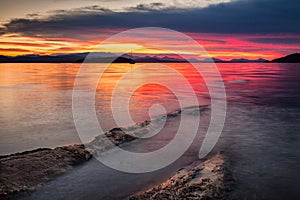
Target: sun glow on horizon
217, 46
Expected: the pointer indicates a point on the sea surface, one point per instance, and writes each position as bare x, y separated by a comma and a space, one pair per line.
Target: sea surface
260, 136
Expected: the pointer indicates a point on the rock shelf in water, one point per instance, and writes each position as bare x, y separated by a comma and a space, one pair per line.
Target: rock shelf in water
201, 180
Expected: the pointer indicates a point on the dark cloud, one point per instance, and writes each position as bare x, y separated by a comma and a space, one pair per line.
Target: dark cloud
215, 41
276, 40
88, 10
32, 15
242, 17
14, 50
25, 44
148, 7
2, 30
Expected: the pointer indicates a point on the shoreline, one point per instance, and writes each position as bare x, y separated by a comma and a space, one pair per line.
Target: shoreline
208, 178
26, 171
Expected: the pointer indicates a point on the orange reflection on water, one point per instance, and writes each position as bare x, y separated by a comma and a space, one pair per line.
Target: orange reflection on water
48, 75
36, 99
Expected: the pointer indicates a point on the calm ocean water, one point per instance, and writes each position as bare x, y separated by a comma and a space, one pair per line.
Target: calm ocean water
261, 133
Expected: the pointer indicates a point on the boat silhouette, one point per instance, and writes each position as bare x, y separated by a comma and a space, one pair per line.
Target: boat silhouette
132, 61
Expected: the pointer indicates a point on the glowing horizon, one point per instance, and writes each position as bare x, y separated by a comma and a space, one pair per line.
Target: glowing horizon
217, 46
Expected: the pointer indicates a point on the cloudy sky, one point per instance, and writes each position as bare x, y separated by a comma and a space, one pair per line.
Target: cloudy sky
225, 28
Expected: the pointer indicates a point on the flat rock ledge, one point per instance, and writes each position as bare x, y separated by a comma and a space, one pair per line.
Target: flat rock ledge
24, 171
210, 179
21, 172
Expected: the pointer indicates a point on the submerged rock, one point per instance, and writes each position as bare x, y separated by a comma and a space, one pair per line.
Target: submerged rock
116, 137
23, 171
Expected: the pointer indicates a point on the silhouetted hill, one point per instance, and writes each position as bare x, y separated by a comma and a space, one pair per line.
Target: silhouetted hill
61, 58
210, 60
64, 58
105, 60
292, 58
243, 60
155, 59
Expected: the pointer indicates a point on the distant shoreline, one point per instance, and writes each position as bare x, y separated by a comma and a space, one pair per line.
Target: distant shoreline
142, 62
81, 58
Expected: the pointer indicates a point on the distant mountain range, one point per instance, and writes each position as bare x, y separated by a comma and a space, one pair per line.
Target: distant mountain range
110, 57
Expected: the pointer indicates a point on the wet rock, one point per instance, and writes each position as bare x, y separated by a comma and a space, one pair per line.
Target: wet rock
23, 171
201, 180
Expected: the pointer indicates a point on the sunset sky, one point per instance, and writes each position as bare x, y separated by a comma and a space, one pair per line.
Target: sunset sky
225, 28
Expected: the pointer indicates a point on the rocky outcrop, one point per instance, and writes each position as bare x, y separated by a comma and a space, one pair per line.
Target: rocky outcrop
23, 171
116, 137
292, 58
201, 180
